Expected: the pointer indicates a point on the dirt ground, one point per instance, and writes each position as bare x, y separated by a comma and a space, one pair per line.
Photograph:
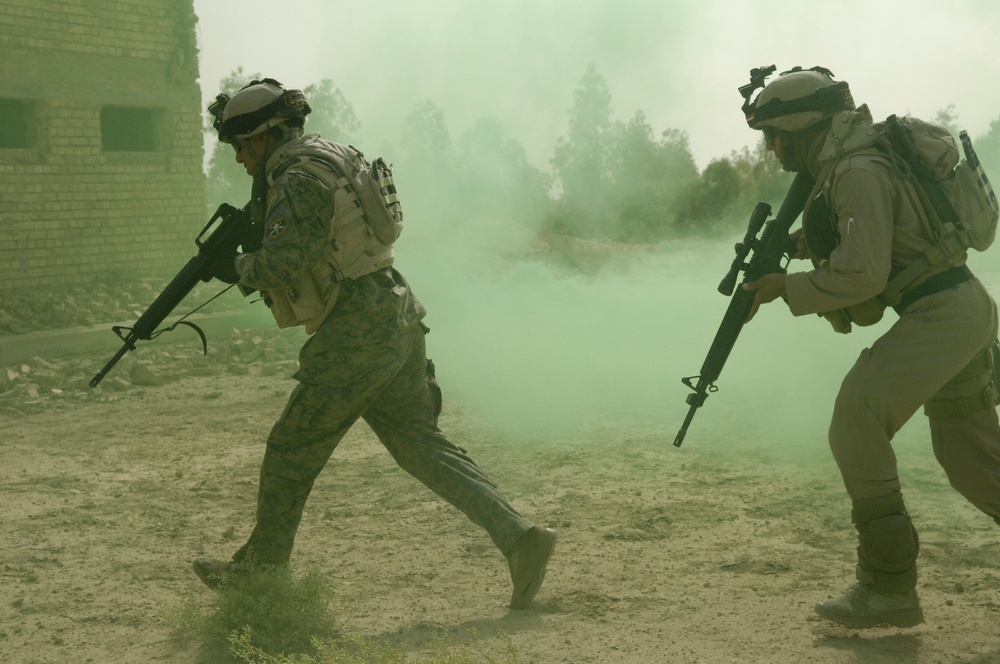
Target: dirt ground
712, 553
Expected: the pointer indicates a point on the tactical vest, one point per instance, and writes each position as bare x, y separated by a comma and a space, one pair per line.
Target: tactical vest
352, 247
853, 133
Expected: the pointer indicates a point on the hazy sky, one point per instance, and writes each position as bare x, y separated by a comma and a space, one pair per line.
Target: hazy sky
680, 62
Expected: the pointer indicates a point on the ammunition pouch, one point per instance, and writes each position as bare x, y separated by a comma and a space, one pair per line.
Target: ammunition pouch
437, 399
864, 314
887, 544
987, 360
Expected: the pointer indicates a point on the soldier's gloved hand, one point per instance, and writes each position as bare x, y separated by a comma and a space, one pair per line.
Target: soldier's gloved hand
223, 267
801, 248
252, 239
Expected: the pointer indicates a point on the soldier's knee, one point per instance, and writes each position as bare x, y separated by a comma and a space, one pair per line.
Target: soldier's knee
888, 544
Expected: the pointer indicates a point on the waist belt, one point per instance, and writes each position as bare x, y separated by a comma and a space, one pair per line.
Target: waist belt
936, 284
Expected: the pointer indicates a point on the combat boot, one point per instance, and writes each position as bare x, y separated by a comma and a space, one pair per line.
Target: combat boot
861, 607
527, 561
211, 571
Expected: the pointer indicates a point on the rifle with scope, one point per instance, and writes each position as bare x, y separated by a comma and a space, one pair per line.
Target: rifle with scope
770, 253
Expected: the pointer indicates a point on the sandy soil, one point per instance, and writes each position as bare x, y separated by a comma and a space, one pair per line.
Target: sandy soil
712, 553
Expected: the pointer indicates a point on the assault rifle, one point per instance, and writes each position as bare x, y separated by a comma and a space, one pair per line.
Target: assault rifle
771, 253
227, 229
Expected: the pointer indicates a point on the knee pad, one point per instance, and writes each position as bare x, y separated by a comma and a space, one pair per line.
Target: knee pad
888, 544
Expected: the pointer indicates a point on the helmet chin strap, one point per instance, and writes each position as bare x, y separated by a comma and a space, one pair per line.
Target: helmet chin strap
258, 194
258, 190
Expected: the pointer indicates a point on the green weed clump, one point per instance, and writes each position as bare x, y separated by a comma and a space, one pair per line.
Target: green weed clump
278, 612
268, 615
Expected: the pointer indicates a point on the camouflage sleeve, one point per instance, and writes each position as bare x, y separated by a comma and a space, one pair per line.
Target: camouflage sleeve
299, 208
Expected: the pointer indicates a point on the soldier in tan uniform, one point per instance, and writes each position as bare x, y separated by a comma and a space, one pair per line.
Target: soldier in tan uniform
366, 356
937, 354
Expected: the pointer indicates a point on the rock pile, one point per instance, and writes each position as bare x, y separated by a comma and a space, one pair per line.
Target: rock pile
43, 383
95, 304
46, 381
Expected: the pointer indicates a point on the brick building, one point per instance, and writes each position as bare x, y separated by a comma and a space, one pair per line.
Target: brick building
100, 140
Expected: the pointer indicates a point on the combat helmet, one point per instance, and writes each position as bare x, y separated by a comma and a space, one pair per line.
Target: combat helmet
797, 99
257, 107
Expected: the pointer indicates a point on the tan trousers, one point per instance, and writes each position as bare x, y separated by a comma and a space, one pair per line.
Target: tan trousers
932, 341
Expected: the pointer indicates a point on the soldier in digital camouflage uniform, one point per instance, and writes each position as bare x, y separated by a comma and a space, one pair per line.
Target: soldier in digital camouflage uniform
365, 359
937, 353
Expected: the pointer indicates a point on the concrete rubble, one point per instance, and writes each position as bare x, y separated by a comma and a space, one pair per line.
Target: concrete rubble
49, 378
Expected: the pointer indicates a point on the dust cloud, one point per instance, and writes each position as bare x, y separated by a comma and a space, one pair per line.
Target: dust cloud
543, 351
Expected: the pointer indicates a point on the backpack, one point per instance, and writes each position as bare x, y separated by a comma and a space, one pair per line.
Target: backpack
960, 196
956, 196
373, 185
375, 189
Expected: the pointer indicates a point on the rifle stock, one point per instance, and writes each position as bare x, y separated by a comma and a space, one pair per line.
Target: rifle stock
222, 232
770, 254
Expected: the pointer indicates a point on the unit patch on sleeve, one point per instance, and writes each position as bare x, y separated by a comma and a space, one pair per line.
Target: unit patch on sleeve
275, 229
279, 226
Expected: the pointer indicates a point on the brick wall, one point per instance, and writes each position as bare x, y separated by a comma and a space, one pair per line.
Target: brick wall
100, 140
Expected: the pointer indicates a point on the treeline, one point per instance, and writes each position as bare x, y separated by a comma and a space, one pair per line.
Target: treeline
609, 179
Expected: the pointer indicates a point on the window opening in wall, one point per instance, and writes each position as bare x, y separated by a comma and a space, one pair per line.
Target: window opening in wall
17, 124
128, 129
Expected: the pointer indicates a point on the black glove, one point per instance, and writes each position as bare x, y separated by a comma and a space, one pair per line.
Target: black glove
251, 238
222, 267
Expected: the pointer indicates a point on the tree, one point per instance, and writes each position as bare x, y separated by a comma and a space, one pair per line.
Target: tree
332, 115
707, 203
988, 149
497, 180
616, 180
761, 179
580, 160
948, 118
647, 177
426, 169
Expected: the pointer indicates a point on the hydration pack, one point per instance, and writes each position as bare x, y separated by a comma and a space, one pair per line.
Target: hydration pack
960, 198
958, 202
370, 183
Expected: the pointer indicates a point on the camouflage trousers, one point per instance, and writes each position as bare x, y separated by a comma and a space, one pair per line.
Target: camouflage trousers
388, 385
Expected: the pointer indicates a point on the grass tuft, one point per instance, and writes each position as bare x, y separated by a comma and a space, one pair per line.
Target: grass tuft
266, 615
278, 612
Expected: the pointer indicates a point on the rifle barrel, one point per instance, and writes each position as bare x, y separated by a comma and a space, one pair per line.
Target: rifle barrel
768, 252
126, 347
